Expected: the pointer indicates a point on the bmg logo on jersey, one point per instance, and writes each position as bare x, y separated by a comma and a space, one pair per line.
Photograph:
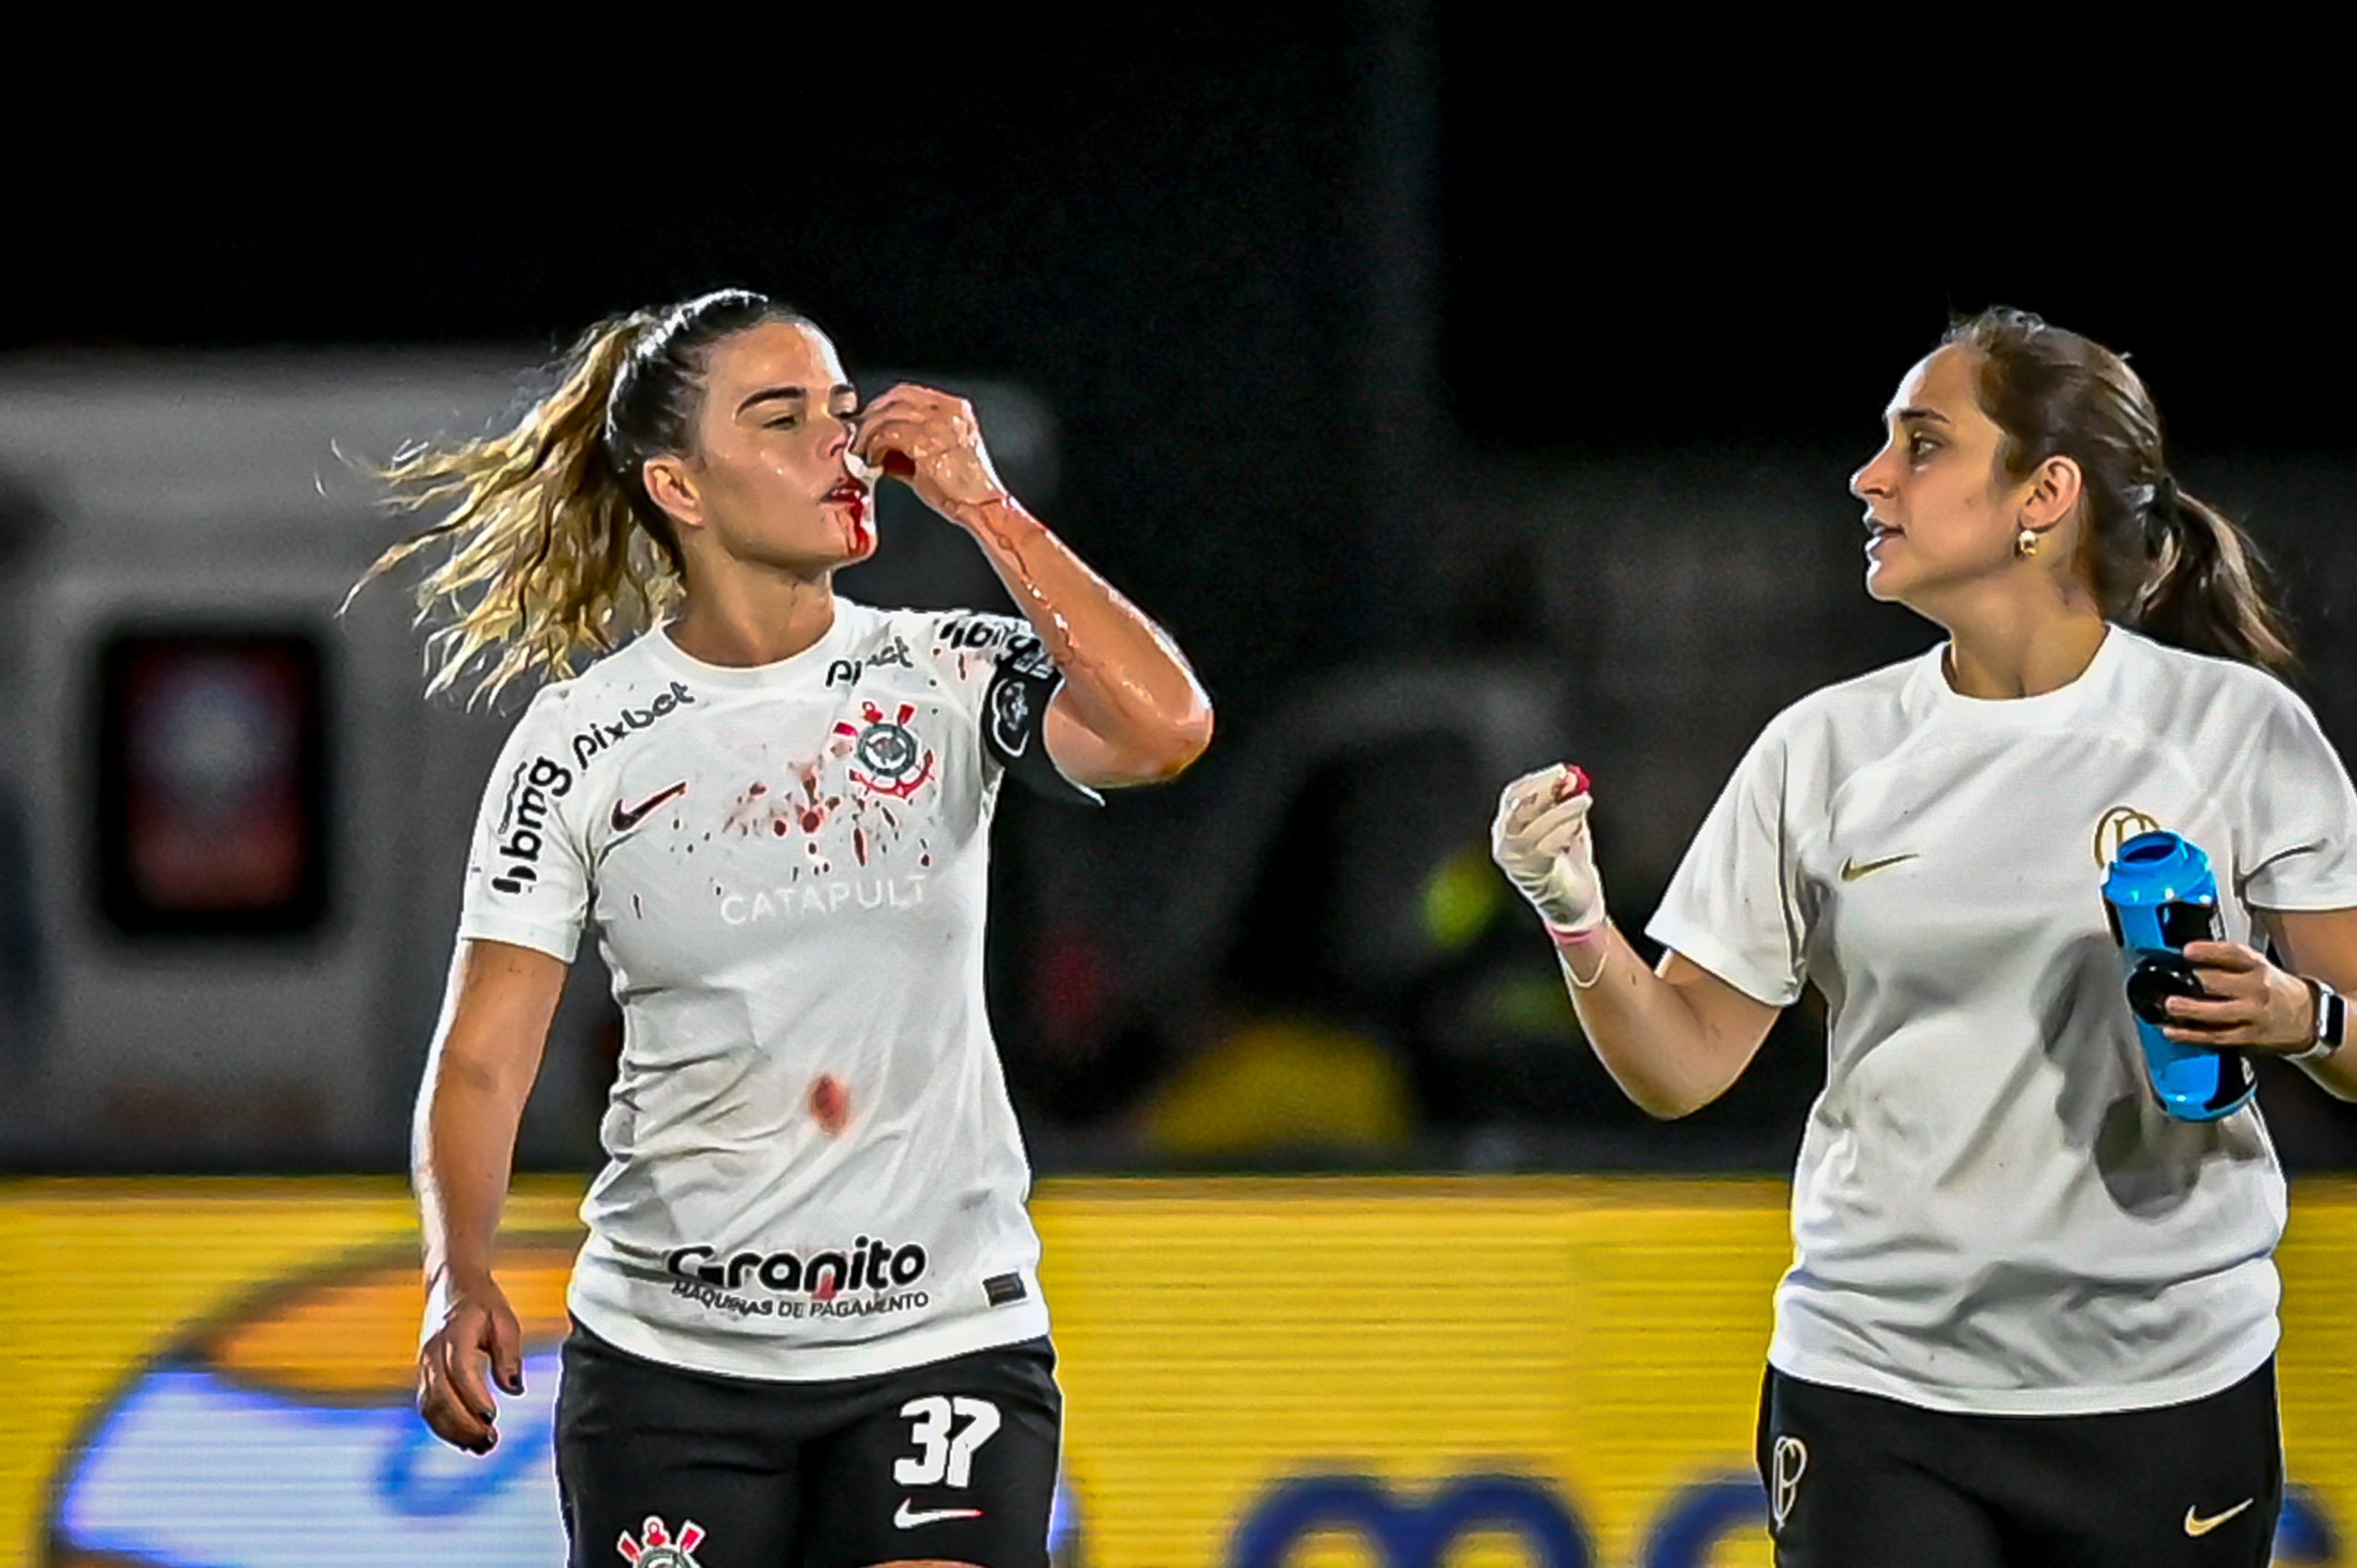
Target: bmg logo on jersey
803, 1284
532, 793
588, 743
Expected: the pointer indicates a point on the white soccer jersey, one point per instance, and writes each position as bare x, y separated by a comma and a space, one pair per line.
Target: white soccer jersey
1991, 1214
812, 1168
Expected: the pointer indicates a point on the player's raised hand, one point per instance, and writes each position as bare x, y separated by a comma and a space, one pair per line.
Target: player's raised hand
464, 1327
932, 442
1541, 841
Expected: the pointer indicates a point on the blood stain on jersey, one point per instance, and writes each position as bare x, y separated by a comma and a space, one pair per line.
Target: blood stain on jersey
895, 762
859, 844
743, 817
830, 1105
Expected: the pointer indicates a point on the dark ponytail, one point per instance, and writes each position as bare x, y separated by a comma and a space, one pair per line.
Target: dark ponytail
2158, 559
2207, 590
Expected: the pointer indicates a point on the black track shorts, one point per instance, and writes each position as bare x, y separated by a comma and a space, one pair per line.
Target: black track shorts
1856, 1481
663, 1467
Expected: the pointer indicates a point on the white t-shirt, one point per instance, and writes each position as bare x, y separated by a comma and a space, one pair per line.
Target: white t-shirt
1991, 1214
812, 1171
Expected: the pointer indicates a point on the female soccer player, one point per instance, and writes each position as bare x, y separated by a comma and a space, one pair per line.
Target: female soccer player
807, 1327
2030, 1317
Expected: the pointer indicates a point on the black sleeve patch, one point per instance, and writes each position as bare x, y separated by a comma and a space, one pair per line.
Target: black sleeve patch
1014, 721
1004, 1288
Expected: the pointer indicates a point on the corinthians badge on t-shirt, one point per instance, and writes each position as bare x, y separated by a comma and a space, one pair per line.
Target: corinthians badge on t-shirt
888, 757
2115, 827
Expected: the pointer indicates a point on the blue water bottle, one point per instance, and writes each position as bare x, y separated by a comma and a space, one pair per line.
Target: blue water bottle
2160, 895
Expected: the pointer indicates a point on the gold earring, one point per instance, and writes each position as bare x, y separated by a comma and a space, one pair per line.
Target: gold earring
2025, 541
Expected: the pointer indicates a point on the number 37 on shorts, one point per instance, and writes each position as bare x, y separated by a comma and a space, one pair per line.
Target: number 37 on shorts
947, 1431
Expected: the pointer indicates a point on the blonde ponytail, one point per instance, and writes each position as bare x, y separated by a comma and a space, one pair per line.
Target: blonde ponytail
550, 561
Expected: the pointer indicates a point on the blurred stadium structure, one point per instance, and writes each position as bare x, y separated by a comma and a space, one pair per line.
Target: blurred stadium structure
231, 838
1401, 369
236, 827
231, 829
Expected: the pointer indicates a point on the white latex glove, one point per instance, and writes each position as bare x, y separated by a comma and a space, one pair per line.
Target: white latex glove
1541, 841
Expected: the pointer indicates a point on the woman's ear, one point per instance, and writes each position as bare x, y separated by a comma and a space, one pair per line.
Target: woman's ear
2054, 492
671, 487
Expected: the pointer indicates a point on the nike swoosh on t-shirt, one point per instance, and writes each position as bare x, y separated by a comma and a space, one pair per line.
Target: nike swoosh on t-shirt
2200, 1526
908, 1518
625, 819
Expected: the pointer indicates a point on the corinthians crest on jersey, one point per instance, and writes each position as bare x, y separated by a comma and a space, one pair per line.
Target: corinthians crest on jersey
655, 1547
889, 758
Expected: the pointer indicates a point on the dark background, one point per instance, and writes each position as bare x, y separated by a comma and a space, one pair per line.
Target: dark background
1342, 310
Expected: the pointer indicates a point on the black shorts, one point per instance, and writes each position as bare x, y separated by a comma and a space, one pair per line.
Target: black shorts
953, 1460
1862, 1481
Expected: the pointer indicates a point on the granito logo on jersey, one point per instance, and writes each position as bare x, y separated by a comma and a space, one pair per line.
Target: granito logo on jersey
891, 759
661, 1550
803, 1284
588, 743
870, 1264
847, 671
533, 792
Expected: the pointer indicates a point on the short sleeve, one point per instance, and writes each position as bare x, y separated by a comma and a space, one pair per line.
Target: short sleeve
1003, 672
1733, 908
528, 874
2297, 816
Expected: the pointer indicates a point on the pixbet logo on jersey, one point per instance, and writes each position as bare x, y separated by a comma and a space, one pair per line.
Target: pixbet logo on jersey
588, 743
891, 760
847, 671
533, 792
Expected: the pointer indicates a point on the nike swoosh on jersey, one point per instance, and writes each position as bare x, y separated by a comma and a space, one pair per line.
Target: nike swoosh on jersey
625, 819
1852, 869
908, 1518
2195, 1526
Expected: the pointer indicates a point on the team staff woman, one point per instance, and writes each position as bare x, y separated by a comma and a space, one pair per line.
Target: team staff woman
808, 1321
2030, 1318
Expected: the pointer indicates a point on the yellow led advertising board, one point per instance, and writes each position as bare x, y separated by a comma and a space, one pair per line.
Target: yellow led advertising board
1320, 1373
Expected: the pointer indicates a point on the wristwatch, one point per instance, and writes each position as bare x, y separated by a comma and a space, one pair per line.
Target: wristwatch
2332, 1020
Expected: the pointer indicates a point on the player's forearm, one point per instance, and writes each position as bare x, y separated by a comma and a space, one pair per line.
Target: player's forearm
1642, 1029
462, 1157
2337, 1074
1124, 679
